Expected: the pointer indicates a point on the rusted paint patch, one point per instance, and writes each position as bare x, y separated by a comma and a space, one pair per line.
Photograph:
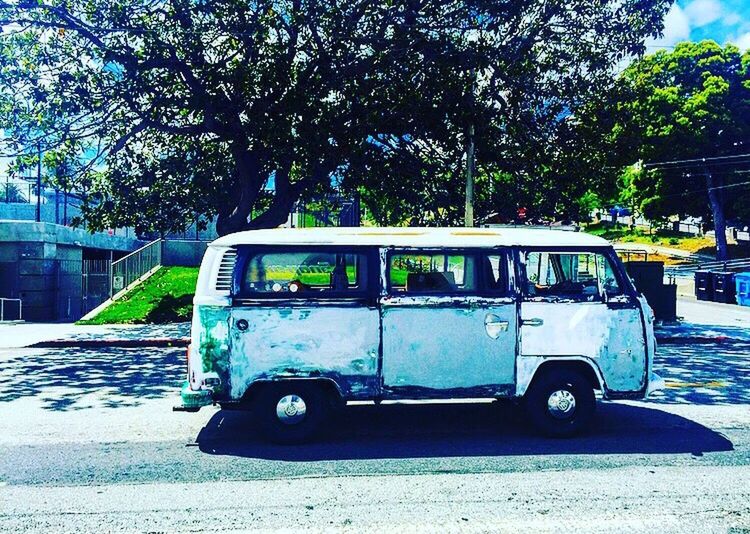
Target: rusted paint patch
210, 354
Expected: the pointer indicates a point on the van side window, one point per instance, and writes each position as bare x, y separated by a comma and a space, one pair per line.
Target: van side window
495, 273
304, 273
432, 273
580, 276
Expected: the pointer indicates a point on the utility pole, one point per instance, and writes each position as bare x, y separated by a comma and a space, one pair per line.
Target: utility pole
716, 201
469, 208
39, 182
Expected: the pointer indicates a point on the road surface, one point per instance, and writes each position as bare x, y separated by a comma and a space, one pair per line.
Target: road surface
88, 442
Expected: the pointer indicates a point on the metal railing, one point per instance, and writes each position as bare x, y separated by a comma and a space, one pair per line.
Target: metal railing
625, 253
3, 309
134, 266
729, 265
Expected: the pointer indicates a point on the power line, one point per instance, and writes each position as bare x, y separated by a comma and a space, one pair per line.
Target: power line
695, 160
704, 190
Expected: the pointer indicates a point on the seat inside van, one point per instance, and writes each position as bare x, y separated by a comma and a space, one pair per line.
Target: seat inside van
433, 281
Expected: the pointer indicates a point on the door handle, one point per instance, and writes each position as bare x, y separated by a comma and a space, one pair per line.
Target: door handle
532, 322
494, 326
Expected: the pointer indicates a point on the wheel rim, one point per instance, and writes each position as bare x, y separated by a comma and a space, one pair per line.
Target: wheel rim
561, 404
291, 409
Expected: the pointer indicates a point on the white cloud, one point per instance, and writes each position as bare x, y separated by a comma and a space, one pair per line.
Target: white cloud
676, 28
742, 42
702, 12
731, 19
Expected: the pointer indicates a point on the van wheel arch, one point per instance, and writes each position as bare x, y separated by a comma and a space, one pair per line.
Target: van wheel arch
560, 401
326, 385
582, 367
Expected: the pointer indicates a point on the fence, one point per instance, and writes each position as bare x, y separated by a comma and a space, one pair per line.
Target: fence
95, 283
689, 269
134, 266
7, 314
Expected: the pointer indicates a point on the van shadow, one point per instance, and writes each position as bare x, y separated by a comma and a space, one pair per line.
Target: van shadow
452, 430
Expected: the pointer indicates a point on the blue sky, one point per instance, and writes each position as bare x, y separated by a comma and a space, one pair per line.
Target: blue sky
721, 20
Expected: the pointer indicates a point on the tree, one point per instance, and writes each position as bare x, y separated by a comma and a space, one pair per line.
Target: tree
517, 83
684, 106
183, 107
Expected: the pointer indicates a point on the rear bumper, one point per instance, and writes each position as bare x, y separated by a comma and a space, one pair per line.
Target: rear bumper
192, 400
655, 383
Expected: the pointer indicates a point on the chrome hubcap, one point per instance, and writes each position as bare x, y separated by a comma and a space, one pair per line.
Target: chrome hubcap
561, 404
291, 409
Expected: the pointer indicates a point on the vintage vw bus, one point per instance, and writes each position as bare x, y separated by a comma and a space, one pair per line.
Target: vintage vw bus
292, 323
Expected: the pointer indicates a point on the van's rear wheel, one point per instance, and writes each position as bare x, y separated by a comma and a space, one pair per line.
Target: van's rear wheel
292, 413
560, 403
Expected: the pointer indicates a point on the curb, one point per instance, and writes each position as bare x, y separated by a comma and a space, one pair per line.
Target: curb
123, 343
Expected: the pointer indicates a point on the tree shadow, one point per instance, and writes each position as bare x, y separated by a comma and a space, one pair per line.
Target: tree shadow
171, 309
452, 430
78, 378
704, 373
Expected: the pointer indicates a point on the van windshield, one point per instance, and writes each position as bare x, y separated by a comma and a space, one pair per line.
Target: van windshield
303, 272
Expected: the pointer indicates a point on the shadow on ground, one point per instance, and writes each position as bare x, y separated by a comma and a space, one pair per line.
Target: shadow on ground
708, 373
446, 430
78, 378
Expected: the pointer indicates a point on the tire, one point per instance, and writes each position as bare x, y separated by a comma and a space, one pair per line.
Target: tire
560, 404
291, 413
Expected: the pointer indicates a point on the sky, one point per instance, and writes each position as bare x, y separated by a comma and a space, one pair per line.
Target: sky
721, 20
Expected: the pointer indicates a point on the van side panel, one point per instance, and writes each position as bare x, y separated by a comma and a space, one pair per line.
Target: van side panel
307, 340
610, 338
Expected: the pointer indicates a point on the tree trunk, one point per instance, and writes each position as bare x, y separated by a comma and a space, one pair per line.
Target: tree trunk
249, 181
717, 208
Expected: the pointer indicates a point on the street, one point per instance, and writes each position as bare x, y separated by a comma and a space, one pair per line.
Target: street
88, 442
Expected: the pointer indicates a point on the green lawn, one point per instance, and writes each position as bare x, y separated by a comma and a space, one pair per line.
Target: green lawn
167, 296
623, 234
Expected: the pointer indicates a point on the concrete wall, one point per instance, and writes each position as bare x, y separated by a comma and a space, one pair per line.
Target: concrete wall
41, 263
45, 276
182, 253
30, 231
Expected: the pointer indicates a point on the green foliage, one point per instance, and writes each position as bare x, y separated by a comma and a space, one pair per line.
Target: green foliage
587, 203
165, 297
691, 102
168, 109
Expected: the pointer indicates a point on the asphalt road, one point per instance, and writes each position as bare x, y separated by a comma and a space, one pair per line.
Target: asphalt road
88, 442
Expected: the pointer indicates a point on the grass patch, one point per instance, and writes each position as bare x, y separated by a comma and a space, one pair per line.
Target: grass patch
621, 233
166, 297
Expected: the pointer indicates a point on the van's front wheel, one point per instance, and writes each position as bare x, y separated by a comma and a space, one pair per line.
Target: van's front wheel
291, 413
560, 404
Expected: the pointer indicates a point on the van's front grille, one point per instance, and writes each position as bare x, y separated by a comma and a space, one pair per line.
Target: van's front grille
226, 269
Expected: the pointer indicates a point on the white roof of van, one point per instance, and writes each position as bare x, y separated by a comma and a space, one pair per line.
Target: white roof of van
412, 237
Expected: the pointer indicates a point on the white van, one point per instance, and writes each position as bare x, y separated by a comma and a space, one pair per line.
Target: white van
292, 323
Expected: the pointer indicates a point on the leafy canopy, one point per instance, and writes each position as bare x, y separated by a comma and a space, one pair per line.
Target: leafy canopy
689, 103
161, 110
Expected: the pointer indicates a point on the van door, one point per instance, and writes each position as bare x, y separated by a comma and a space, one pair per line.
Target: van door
449, 325
307, 312
579, 304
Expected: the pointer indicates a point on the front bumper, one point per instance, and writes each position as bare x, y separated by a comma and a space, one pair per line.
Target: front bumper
192, 400
655, 383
